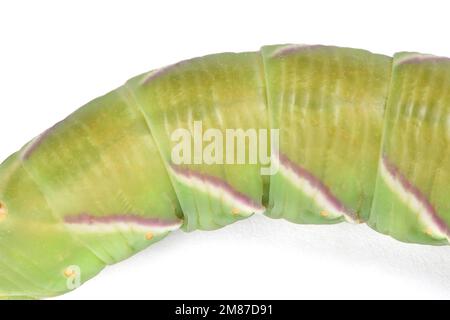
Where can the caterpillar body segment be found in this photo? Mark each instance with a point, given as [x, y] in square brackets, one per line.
[411, 199]
[329, 105]
[35, 247]
[221, 91]
[90, 191]
[360, 137]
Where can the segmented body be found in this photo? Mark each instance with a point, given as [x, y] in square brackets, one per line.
[362, 138]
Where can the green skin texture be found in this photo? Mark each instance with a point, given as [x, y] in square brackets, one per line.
[340, 112]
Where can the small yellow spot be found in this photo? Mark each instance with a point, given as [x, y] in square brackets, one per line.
[149, 236]
[235, 211]
[3, 211]
[428, 232]
[324, 213]
[69, 272]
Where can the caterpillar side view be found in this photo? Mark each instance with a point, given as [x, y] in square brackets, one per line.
[363, 138]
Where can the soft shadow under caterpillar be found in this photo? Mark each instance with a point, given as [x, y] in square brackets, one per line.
[362, 138]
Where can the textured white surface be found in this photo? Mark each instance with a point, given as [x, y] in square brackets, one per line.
[56, 56]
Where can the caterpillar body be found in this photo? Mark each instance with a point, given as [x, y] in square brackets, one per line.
[358, 133]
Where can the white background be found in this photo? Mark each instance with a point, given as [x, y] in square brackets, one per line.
[56, 56]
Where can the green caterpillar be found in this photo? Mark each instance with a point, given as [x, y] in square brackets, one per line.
[361, 137]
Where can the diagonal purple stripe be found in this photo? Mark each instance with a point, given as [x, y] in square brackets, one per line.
[38, 141]
[89, 219]
[292, 49]
[409, 187]
[163, 71]
[414, 59]
[220, 184]
[316, 183]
